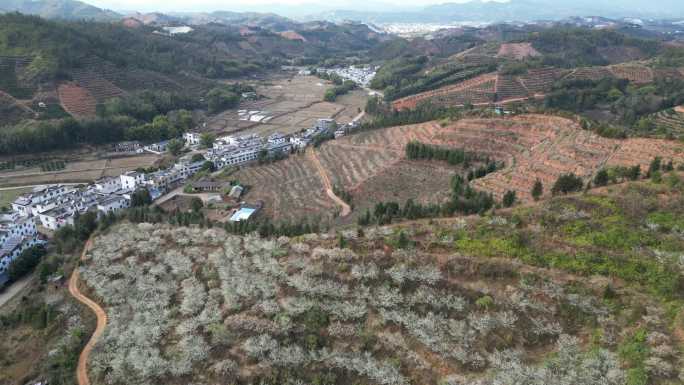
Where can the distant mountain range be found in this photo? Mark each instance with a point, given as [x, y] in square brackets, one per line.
[371, 11]
[516, 10]
[58, 9]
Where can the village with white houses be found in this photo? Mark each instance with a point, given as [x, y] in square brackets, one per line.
[35, 215]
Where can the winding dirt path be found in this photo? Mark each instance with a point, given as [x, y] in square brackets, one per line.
[81, 370]
[346, 209]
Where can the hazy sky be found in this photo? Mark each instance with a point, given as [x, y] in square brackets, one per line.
[241, 5]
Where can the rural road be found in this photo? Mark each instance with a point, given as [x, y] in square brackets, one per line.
[81, 370]
[346, 209]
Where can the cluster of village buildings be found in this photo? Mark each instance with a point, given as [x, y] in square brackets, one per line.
[56, 206]
[361, 75]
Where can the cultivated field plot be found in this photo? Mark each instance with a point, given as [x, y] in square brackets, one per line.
[76, 100]
[88, 168]
[291, 189]
[293, 103]
[589, 73]
[540, 80]
[482, 88]
[518, 51]
[369, 165]
[351, 103]
[423, 182]
[8, 196]
[635, 73]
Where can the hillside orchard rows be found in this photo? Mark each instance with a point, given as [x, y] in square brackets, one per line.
[202, 306]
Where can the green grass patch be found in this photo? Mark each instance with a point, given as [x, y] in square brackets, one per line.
[667, 221]
[8, 196]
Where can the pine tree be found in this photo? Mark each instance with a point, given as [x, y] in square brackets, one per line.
[509, 198]
[601, 178]
[537, 190]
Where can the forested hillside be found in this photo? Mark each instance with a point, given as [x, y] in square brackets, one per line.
[77, 68]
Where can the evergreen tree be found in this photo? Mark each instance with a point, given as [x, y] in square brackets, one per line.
[509, 198]
[656, 165]
[567, 183]
[601, 179]
[537, 190]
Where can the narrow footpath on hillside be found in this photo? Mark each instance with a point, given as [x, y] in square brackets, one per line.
[327, 185]
[81, 370]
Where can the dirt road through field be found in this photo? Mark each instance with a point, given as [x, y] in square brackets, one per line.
[81, 370]
[346, 209]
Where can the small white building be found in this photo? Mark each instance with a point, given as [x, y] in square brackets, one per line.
[113, 204]
[300, 141]
[326, 124]
[192, 138]
[57, 218]
[131, 180]
[236, 192]
[108, 185]
[157, 148]
[277, 138]
[188, 169]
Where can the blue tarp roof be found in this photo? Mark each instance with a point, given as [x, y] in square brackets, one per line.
[242, 215]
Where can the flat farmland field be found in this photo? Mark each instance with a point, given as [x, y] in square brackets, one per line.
[86, 168]
[8, 196]
[351, 103]
[294, 103]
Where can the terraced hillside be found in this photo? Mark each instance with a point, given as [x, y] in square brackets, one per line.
[292, 189]
[501, 88]
[544, 147]
[669, 123]
[371, 166]
[486, 89]
[477, 90]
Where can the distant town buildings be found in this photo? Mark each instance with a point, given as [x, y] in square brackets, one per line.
[359, 75]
